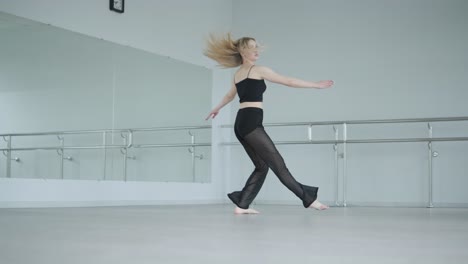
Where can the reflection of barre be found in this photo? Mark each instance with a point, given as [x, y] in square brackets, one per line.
[192, 149]
[196, 156]
[124, 152]
[60, 153]
[15, 158]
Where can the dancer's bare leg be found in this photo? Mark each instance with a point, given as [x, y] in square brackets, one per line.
[245, 211]
[318, 205]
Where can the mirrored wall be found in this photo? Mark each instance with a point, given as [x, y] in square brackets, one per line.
[135, 115]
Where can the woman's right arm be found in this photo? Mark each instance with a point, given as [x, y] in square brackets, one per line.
[226, 100]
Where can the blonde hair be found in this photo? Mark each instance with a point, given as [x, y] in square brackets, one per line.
[225, 50]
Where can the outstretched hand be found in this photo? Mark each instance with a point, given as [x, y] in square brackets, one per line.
[212, 114]
[324, 84]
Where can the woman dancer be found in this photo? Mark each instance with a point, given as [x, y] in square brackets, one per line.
[249, 84]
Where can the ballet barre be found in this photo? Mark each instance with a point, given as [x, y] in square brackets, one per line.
[127, 136]
[344, 141]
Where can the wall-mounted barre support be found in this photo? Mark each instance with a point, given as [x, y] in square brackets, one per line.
[130, 138]
[192, 151]
[128, 143]
[345, 164]
[431, 155]
[8, 165]
[124, 151]
[17, 159]
[60, 153]
[104, 153]
[335, 148]
[309, 132]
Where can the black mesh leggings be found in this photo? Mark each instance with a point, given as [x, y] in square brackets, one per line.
[263, 153]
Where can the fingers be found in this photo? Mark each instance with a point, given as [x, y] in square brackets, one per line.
[328, 83]
[213, 115]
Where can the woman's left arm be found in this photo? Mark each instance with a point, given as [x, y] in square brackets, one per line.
[269, 75]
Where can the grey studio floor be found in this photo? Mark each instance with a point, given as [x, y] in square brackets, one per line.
[213, 234]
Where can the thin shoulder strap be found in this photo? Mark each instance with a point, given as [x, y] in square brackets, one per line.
[249, 71]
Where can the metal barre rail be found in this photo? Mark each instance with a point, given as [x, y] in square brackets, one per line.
[110, 147]
[64, 147]
[362, 122]
[356, 141]
[105, 130]
[172, 145]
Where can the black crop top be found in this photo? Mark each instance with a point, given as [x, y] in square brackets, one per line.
[250, 90]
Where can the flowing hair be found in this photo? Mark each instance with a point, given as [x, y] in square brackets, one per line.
[225, 50]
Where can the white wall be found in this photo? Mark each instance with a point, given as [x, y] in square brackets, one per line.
[161, 27]
[389, 59]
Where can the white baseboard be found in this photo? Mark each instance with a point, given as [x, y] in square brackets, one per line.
[48, 204]
[451, 205]
[367, 204]
[402, 204]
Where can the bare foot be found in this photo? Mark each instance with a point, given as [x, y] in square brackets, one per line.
[318, 205]
[245, 211]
